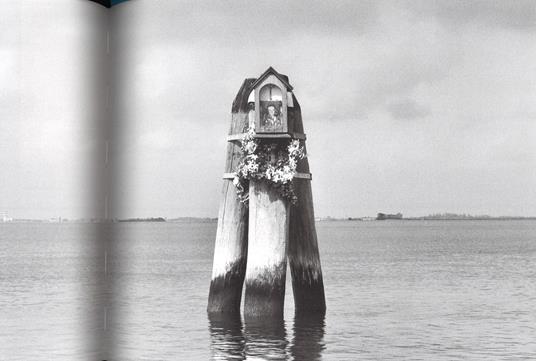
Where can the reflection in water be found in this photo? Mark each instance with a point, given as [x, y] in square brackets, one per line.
[227, 337]
[308, 342]
[266, 339]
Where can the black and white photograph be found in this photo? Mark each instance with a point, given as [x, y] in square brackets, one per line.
[267, 180]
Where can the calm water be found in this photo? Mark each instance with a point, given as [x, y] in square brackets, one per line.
[414, 290]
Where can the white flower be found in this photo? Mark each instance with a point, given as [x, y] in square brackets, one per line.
[250, 147]
[252, 167]
[292, 163]
[278, 167]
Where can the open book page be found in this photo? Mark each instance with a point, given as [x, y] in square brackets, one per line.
[418, 118]
[181, 66]
[169, 153]
[410, 109]
[52, 76]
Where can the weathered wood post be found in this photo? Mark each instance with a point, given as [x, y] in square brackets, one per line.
[230, 251]
[280, 220]
[267, 249]
[304, 257]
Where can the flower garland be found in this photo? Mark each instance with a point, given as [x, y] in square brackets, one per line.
[270, 162]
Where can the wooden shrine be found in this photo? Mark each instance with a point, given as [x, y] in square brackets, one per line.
[253, 243]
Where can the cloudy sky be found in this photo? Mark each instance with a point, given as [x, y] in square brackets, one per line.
[415, 107]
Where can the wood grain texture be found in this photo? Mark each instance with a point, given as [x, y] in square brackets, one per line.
[238, 137]
[230, 249]
[303, 254]
[267, 251]
[254, 244]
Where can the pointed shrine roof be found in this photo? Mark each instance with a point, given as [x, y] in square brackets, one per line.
[272, 71]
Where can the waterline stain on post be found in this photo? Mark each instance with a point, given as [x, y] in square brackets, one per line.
[230, 251]
[254, 244]
[267, 250]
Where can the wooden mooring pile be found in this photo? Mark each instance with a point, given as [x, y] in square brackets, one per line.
[255, 240]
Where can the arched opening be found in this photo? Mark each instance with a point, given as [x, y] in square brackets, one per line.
[271, 109]
[270, 92]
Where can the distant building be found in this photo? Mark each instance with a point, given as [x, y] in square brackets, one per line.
[383, 216]
[5, 217]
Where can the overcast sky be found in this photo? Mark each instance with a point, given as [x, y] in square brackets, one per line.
[414, 107]
[46, 115]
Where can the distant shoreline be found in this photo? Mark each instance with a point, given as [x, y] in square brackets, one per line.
[214, 220]
[126, 220]
[365, 219]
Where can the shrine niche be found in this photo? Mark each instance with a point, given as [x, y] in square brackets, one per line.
[271, 92]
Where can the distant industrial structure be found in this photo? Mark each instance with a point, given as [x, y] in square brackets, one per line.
[384, 216]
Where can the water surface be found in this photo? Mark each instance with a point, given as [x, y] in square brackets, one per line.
[414, 290]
